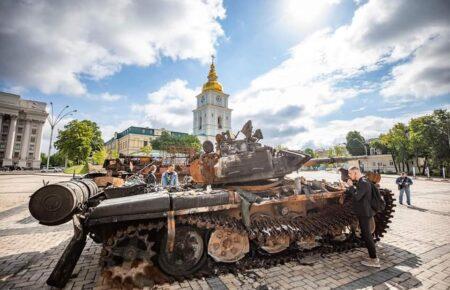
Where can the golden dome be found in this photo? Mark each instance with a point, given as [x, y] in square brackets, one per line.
[212, 84]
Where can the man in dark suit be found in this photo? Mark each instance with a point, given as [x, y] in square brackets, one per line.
[360, 189]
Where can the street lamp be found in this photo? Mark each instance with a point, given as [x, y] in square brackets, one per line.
[53, 122]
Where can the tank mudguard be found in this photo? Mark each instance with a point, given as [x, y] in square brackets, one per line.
[132, 205]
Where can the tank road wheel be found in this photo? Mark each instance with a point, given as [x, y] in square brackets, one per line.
[276, 244]
[127, 258]
[188, 255]
[228, 246]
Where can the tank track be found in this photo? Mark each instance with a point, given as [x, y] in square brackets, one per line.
[321, 224]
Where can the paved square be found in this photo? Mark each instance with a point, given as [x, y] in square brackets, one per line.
[415, 253]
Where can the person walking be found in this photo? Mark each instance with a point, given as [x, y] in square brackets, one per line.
[361, 195]
[404, 183]
[170, 177]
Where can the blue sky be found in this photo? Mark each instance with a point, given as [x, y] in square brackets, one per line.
[305, 71]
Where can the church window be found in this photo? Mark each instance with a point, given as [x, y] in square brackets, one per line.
[200, 123]
[219, 122]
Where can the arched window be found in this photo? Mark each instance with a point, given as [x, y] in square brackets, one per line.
[219, 122]
[200, 123]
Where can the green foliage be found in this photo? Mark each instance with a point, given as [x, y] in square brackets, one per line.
[78, 169]
[79, 139]
[310, 152]
[99, 156]
[426, 136]
[340, 151]
[167, 141]
[113, 154]
[147, 149]
[355, 143]
[378, 145]
[43, 159]
[56, 160]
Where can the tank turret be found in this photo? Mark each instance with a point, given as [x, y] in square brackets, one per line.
[246, 160]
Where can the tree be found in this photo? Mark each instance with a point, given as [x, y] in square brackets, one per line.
[378, 145]
[56, 159]
[43, 158]
[114, 154]
[419, 137]
[167, 141]
[397, 143]
[310, 152]
[147, 149]
[340, 151]
[433, 138]
[79, 139]
[97, 141]
[99, 156]
[356, 143]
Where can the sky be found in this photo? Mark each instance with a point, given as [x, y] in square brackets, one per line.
[305, 71]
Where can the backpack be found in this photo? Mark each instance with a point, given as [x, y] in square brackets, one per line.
[377, 203]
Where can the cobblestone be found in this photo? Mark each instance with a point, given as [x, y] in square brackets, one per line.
[415, 253]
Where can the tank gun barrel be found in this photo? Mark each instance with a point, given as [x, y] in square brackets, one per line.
[55, 204]
[328, 160]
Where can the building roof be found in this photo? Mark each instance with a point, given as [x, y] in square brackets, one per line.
[141, 131]
[212, 84]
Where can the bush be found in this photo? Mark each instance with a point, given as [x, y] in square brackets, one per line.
[79, 169]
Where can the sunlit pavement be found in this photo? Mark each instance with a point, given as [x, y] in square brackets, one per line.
[414, 254]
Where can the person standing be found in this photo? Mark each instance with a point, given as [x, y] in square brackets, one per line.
[404, 183]
[170, 177]
[361, 195]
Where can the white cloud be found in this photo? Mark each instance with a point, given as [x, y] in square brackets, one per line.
[106, 97]
[170, 107]
[329, 68]
[305, 15]
[426, 75]
[52, 45]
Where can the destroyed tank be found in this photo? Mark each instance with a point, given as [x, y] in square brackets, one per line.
[239, 211]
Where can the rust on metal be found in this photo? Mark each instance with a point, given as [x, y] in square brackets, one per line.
[170, 230]
[228, 246]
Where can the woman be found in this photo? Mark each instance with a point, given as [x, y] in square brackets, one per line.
[151, 177]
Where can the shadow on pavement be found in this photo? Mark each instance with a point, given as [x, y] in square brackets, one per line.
[30, 270]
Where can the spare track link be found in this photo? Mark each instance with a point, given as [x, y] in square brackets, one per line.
[321, 223]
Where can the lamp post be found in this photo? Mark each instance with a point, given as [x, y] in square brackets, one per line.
[53, 122]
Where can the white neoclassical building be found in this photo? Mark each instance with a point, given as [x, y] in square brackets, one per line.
[21, 123]
[212, 115]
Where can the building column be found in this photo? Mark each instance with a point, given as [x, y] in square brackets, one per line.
[7, 161]
[1, 124]
[25, 144]
[37, 146]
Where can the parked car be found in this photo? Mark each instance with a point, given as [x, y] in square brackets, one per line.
[51, 169]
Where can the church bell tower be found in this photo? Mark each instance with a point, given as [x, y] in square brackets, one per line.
[212, 115]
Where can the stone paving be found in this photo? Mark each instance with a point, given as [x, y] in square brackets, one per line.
[414, 254]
